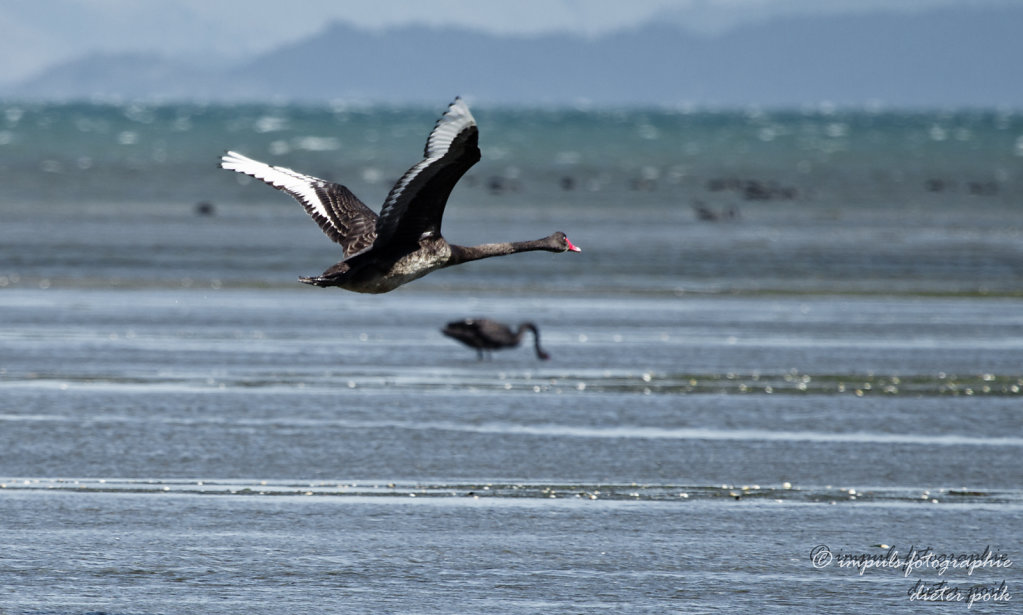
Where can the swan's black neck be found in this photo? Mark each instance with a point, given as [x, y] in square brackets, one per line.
[528, 326]
[463, 254]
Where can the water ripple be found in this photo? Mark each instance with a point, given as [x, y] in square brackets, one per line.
[513, 491]
[541, 381]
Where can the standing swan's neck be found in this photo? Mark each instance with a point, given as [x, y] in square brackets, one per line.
[528, 326]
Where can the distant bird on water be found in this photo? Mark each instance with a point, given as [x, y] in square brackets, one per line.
[403, 243]
[486, 335]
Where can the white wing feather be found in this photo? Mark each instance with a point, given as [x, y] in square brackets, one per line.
[301, 186]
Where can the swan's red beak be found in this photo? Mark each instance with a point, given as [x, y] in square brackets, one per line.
[572, 247]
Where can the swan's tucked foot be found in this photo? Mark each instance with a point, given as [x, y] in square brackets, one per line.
[319, 280]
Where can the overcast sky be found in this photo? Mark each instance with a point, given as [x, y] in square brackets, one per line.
[39, 33]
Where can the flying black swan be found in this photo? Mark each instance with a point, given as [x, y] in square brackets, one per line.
[487, 335]
[403, 243]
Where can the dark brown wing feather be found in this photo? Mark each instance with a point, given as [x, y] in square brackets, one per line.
[352, 224]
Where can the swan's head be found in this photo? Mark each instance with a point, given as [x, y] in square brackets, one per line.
[561, 243]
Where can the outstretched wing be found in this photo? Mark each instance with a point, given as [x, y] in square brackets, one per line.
[415, 205]
[341, 215]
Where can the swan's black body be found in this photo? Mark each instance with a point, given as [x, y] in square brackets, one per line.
[486, 335]
[403, 243]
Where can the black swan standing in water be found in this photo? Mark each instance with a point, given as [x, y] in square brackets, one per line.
[486, 335]
[403, 243]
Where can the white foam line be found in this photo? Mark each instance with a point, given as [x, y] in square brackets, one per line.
[657, 433]
[570, 431]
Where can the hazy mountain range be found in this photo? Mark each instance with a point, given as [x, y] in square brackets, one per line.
[942, 58]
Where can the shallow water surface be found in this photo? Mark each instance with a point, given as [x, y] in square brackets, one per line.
[178, 450]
